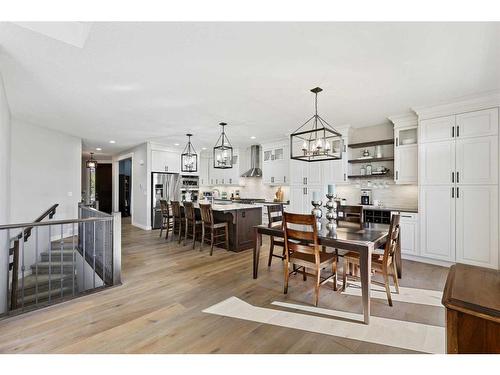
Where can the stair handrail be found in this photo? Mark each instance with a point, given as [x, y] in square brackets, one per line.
[14, 251]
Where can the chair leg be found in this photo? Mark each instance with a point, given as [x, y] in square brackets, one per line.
[226, 230]
[344, 275]
[387, 287]
[287, 275]
[180, 231]
[168, 228]
[316, 288]
[202, 236]
[334, 271]
[271, 248]
[194, 235]
[304, 276]
[161, 227]
[395, 276]
[211, 241]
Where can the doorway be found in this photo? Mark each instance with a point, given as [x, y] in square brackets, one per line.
[103, 187]
[124, 186]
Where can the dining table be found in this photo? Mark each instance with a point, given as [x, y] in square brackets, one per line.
[360, 239]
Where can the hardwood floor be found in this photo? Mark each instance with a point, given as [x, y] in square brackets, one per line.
[166, 287]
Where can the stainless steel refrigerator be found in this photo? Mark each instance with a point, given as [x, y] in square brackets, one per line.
[164, 186]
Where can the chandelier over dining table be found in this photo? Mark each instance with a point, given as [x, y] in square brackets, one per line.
[316, 139]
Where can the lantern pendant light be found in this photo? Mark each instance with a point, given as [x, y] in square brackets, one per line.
[91, 163]
[316, 139]
[223, 151]
[189, 158]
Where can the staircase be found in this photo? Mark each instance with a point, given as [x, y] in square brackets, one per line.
[53, 275]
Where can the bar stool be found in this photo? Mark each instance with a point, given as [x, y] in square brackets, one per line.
[166, 216]
[179, 221]
[193, 226]
[215, 230]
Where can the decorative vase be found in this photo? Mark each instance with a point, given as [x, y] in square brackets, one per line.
[331, 214]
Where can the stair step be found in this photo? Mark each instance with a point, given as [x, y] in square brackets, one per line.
[67, 255]
[31, 281]
[54, 266]
[44, 296]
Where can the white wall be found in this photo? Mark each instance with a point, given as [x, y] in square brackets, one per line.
[5, 129]
[141, 184]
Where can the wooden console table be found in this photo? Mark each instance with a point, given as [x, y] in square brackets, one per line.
[472, 300]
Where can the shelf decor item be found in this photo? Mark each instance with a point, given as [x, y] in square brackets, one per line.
[91, 163]
[189, 158]
[316, 139]
[331, 213]
[316, 211]
[223, 151]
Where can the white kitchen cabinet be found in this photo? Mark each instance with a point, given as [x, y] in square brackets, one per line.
[437, 222]
[204, 166]
[437, 129]
[225, 177]
[477, 160]
[409, 233]
[297, 199]
[437, 162]
[477, 225]
[165, 161]
[406, 164]
[477, 124]
[275, 164]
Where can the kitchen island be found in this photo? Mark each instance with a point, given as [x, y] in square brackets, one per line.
[241, 218]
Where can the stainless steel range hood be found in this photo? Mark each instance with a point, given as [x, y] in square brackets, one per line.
[254, 170]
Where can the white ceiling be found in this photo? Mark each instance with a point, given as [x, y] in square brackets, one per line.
[133, 82]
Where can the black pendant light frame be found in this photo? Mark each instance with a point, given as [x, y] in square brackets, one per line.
[223, 151]
[189, 157]
[316, 139]
[91, 163]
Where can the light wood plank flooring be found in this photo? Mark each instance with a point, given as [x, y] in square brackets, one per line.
[166, 287]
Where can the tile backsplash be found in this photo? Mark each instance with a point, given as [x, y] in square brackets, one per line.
[252, 187]
[401, 196]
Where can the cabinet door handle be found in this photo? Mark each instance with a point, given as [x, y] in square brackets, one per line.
[452, 176]
[344, 177]
[407, 216]
[452, 132]
[397, 142]
[458, 192]
[453, 192]
[458, 177]
[284, 178]
[306, 180]
[397, 175]
[272, 179]
[458, 131]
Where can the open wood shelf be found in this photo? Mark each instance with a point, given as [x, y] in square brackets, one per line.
[372, 143]
[388, 174]
[371, 160]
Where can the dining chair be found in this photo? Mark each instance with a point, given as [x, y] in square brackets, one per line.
[193, 225]
[211, 231]
[384, 263]
[179, 221]
[275, 219]
[302, 250]
[166, 218]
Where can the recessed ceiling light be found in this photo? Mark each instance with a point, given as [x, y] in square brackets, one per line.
[112, 141]
[203, 148]
[98, 149]
[176, 144]
[253, 137]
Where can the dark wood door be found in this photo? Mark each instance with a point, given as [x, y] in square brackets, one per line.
[103, 187]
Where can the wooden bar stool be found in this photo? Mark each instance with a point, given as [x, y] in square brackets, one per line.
[193, 226]
[275, 218]
[386, 263]
[212, 230]
[302, 249]
[166, 218]
[179, 221]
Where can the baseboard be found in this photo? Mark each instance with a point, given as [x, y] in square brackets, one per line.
[420, 259]
[143, 227]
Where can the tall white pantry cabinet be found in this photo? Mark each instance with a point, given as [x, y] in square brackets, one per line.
[458, 185]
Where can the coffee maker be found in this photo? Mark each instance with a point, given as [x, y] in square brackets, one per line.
[366, 196]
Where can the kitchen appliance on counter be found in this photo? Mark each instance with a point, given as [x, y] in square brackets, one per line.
[366, 196]
[164, 186]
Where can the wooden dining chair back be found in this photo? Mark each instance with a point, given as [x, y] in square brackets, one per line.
[193, 225]
[303, 250]
[275, 219]
[179, 221]
[166, 218]
[212, 232]
[384, 263]
[350, 215]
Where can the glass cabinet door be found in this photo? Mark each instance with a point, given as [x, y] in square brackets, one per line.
[406, 137]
